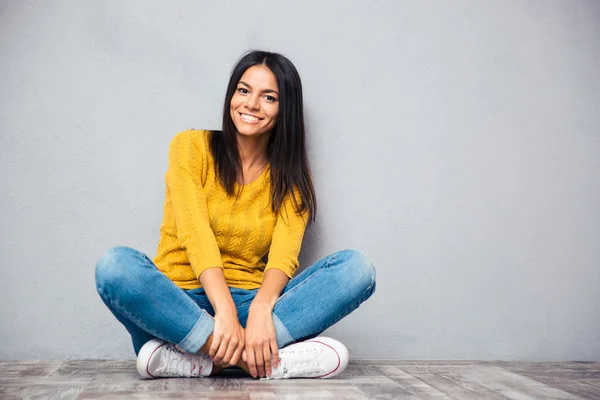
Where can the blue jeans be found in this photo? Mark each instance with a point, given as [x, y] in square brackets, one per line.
[150, 305]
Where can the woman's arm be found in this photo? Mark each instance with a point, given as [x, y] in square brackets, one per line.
[274, 282]
[261, 343]
[227, 340]
[187, 164]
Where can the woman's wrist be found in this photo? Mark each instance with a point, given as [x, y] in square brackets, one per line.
[225, 306]
[274, 282]
[217, 291]
[264, 305]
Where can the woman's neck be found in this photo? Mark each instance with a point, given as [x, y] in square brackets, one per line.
[253, 151]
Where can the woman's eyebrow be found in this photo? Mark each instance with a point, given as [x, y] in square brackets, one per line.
[264, 91]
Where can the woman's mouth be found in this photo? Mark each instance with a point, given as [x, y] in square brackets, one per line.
[249, 119]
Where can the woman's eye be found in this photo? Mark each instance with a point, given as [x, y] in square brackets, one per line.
[270, 98]
[243, 90]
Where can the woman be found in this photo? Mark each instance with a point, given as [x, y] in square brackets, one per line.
[221, 290]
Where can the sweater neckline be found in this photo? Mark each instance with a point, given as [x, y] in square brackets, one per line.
[259, 179]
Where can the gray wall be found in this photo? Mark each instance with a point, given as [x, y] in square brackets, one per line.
[456, 142]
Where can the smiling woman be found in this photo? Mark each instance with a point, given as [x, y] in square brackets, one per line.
[234, 198]
[255, 105]
[254, 108]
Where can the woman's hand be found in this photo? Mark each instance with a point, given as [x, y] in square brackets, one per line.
[226, 343]
[227, 339]
[261, 343]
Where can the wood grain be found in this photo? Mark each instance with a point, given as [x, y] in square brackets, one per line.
[363, 379]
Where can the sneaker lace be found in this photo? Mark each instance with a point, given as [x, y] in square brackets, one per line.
[301, 363]
[182, 364]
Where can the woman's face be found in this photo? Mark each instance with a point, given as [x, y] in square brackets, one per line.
[255, 103]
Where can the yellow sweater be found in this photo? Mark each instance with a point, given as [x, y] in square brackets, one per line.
[204, 227]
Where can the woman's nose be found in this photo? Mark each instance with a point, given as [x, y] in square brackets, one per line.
[252, 103]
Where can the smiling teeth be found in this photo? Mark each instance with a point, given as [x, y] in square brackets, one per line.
[249, 118]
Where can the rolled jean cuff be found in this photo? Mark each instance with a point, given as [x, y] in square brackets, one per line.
[199, 334]
[282, 335]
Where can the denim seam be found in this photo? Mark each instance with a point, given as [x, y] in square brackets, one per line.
[148, 261]
[352, 307]
[367, 294]
[369, 290]
[117, 306]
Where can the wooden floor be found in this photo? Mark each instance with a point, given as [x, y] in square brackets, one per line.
[92, 379]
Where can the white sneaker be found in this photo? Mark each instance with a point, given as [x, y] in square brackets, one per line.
[321, 357]
[161, 359]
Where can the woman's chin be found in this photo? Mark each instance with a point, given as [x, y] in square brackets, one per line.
[250, 132]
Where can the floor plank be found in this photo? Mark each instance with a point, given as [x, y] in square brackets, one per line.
[363, 379]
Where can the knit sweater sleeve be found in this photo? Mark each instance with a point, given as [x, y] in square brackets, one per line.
[187, 161]
[287, 239]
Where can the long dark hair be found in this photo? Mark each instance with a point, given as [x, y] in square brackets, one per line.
[286, 149]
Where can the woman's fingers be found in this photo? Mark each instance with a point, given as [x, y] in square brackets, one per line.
[227, 342]
[237, 352]
[214, 346]
[231, 348]
[274, 352]
[221, 351]
[235, 357]
[260, 362]
[267, 357]
[251, 362]
[234, 348]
